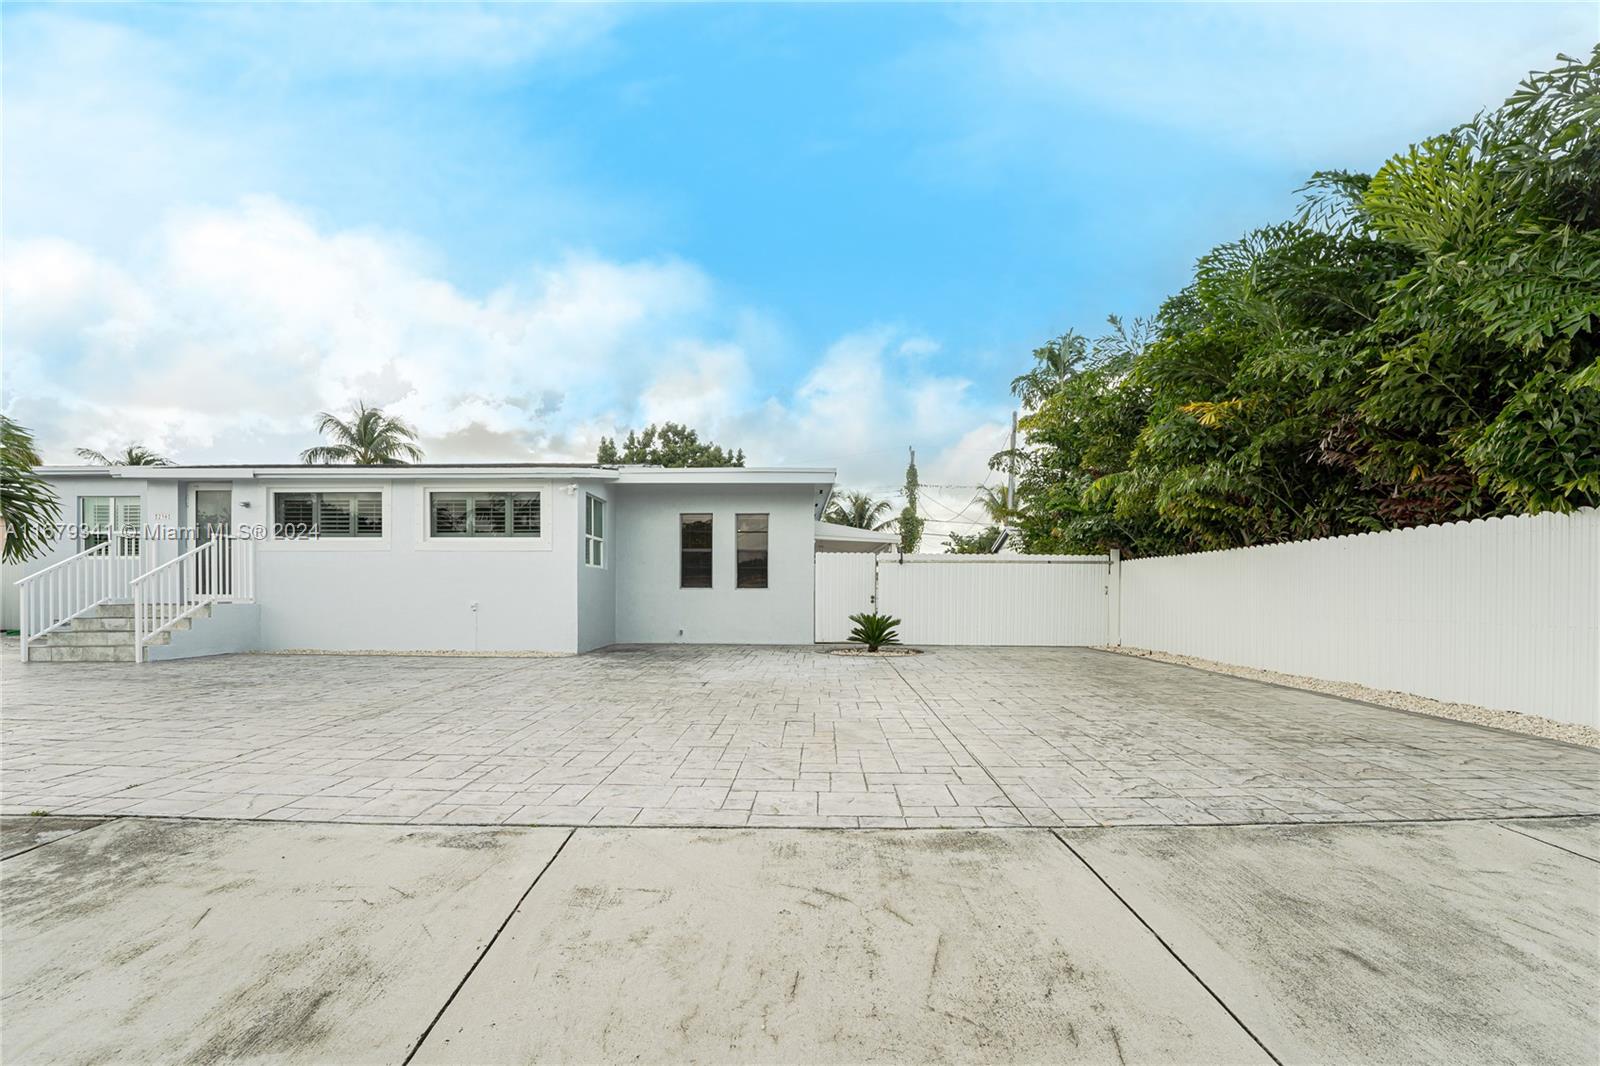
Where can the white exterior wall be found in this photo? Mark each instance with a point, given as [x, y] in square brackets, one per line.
[597, 586]
[1501, 613]
[401, 594]
[652, 609]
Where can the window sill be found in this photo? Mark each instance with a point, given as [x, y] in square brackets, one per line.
[484, 544]
[328, 544]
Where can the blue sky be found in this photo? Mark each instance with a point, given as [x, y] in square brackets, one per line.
[821, 233]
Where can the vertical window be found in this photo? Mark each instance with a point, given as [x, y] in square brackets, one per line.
[594, 530]
[750, 535]
[101, 516]
[694, 551]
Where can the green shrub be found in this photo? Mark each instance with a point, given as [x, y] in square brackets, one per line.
[874, 630]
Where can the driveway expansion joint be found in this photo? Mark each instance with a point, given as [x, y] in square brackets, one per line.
[1168, 947]
[454, 992]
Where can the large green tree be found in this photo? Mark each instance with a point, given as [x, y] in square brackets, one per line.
[669, 444]
[368, 437]
[1417, 346]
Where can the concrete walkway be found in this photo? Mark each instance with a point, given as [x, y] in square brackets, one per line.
[758, 737]
[137, 940]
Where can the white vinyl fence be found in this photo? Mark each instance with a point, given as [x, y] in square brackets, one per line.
[967, 599]
[1500, 613]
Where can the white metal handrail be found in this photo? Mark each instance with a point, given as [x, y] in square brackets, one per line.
[220, 570]
[54, 596]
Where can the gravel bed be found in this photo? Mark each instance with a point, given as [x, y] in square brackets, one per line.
[1532, 725]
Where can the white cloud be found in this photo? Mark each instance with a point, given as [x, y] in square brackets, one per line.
[223, 338]
[1387, 73]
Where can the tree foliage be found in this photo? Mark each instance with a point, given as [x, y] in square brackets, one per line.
[367, 438]
[669, 444]
[1417, 346]
[29, 511]
[910, 521]
[860, 510]
[132, 455]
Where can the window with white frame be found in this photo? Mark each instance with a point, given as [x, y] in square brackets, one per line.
[485, 514]
[327, 515]
[594, 530]
[750, 547]
[101, 516]
[694, 551]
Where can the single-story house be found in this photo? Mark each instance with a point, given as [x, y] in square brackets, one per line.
[501, 557]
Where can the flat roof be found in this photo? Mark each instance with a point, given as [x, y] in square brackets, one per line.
[622, 474]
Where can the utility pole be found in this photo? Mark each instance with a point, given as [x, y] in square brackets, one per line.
[1011, 490]
[1011, 478]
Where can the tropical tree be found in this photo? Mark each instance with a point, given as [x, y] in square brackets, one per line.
[132, 455]
[910, 522]
[669, 444]
[1417, 346]
[859, 509]
[979, 543]
[29, 511]
[367, 438]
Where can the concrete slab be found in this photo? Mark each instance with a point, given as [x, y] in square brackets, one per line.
[783, 945]
[161, 941]
[1578, 835]
[26, 832]
[1453, 942]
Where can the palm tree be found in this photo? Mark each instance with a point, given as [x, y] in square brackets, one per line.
[860, 510]
[1054, 363]
[132, 455]
[369, 438]
[993, 501]
[30, 514]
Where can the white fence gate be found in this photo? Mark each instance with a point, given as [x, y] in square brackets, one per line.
[846, 584]
[1054, 600]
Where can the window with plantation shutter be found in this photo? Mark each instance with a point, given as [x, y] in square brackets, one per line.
[484, 514]
[101, 516]
[525, 508]
[327, 515]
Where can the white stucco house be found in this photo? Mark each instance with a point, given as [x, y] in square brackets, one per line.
[187, 560]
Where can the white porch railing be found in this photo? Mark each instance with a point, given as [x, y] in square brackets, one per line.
[221, 570]
[54, 596]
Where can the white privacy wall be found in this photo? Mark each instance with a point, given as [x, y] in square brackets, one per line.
[995, 599]
[1502, 612]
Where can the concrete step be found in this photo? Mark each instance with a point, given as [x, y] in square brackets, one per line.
[90, 638]
[114, 610]
[50, 654]
[110, 624]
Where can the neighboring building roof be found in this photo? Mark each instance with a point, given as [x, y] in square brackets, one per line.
[851, 535]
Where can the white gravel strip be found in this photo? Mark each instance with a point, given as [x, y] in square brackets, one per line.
[1531, 724]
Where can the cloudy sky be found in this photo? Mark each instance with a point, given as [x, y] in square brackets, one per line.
[821, 234]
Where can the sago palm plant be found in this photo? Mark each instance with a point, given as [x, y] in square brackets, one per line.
[874, 630]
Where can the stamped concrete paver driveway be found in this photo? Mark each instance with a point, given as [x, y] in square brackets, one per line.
[749, 737]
